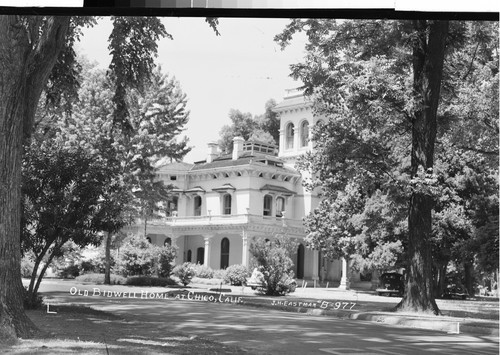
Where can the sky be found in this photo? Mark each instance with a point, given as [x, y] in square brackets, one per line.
[240, 69]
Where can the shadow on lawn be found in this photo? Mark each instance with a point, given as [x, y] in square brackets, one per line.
[83, 330]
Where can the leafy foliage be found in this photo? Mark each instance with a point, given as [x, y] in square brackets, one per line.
[374, 160]
[157, 116]
[166, 258]
[32, 47]
[236, 275]
[62, 185]
[263, 128]
[184, 272]
[139, 257]
[274, 262]
[202, 271]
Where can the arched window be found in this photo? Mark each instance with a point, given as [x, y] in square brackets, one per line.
[268, 202]
[168, 241]
[226, 204]
[304, 134]
[224, 253]
[189, 256]
[197, 206]
[280, 206]
[289, 136]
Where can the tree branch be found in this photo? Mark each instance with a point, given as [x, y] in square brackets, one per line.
[40, 63]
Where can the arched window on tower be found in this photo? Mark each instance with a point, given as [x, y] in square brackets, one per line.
[304, 134]
[289, 136]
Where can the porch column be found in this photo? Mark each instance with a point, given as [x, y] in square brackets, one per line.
[207, 250]
[175, 246]
[315, 262]
[244, 252]
[344, 281]
[282, 140]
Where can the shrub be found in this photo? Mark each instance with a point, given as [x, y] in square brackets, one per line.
[137, 257]
[219, 274]
[98, 279]
[141, 258]
[69, 272]
[166, 256]
[149, 281]
[236, 275]
[184, 272]
[203, 272]
[87, 266]
[275, 264]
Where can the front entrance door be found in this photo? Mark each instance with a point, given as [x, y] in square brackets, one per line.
[200, 256]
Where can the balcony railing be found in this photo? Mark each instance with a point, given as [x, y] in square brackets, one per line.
[226, 220]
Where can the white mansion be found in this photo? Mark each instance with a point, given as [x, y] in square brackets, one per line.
[221, 203]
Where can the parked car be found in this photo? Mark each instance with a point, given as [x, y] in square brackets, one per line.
[454, 291]
[391, 283]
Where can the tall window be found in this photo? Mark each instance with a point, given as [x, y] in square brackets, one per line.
[189, 256]
[268, 202]
[289, 136]
[172, 205]
[304, 134]
[224, 253]
[197, 206]
[226, 204]
[300, 262]
[280, 206]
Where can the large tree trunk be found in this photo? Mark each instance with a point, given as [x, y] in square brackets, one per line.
[26, 59]
[107, 260]
[428, 58]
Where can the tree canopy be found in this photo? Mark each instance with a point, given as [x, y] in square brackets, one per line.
[263, 128]
[37, 55]
[410, 142]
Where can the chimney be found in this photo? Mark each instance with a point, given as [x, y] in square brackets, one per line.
[213, 151]
[237, 147]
